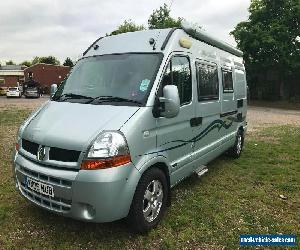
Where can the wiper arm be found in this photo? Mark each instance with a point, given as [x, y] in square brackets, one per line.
[108, 98]
[68, 96]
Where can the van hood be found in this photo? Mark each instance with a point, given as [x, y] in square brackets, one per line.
[73, 125]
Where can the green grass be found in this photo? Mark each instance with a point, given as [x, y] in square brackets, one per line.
[235, 197]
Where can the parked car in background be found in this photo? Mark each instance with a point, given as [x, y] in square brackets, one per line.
[14, 92]
[32, 92]
[3, 90]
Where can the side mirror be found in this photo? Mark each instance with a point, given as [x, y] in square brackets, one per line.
[171, 101]
[53, 90]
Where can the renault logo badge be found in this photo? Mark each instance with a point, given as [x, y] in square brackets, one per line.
[41, 153]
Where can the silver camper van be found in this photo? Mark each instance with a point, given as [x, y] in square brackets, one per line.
[138, 113]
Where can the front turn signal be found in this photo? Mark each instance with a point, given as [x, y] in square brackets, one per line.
[95, 164]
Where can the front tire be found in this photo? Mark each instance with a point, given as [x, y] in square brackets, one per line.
[236, 150]
[149, 202]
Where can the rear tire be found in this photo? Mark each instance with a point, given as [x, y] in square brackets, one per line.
[237, 148]
[149, 202]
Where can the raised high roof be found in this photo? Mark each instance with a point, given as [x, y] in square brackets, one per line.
[140, 41]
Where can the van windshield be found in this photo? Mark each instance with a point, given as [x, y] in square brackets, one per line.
[116, 78]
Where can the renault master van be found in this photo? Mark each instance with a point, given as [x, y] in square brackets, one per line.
[138, 113]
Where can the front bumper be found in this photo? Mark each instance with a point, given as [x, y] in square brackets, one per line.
[90, 195]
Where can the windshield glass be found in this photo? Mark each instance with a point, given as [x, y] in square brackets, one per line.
[124, 76]
[13, 89]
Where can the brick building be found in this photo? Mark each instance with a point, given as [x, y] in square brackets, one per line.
[11, 75]
[46, 74]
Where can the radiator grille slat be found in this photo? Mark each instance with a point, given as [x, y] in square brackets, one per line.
[45, 178]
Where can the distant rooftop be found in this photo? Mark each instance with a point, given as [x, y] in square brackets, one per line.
[46, 64]
[12, 70]
[11, 67]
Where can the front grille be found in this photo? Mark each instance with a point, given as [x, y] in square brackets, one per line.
[59, 154]
[30, 147]
[56, 154]
[57, 204]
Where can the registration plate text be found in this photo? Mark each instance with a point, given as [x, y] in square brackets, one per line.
[40, 187]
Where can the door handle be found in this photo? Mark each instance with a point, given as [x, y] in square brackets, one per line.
[196, 121]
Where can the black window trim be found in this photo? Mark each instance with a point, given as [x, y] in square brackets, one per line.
[210, 97]
[168, 38]
[169, 60]
[225, 91]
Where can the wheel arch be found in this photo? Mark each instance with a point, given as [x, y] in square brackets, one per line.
[159, 162]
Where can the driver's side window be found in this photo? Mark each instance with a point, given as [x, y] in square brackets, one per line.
[178, 73]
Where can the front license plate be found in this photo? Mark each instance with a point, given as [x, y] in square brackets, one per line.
[40, 187]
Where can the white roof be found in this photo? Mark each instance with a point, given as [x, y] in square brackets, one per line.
[11, 72]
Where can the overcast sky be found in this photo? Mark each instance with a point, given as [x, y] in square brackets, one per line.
[67, 27]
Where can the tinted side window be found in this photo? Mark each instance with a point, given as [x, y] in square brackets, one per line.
[182, 78]
[208, 82]
[178, 73]
[227, 81]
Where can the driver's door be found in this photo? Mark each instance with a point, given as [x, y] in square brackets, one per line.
[174, 134]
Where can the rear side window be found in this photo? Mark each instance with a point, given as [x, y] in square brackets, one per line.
[240, 83]
[178, 73]
[227, 81]
[207, 81]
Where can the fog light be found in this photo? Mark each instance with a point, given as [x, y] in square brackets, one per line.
[88, 211]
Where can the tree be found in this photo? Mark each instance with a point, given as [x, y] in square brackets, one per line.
[35, 60]
[26, 63]
[68, 62]
[127, 26]
[45, 59]
[160, 19]
[49, 60]
[10, 62]
[269, 40]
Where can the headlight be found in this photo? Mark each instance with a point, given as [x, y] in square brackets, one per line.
[109, 150]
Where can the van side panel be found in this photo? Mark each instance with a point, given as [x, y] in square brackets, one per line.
[216, 120]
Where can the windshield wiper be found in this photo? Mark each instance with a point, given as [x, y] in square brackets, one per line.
[109, 98]
[69, 96]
